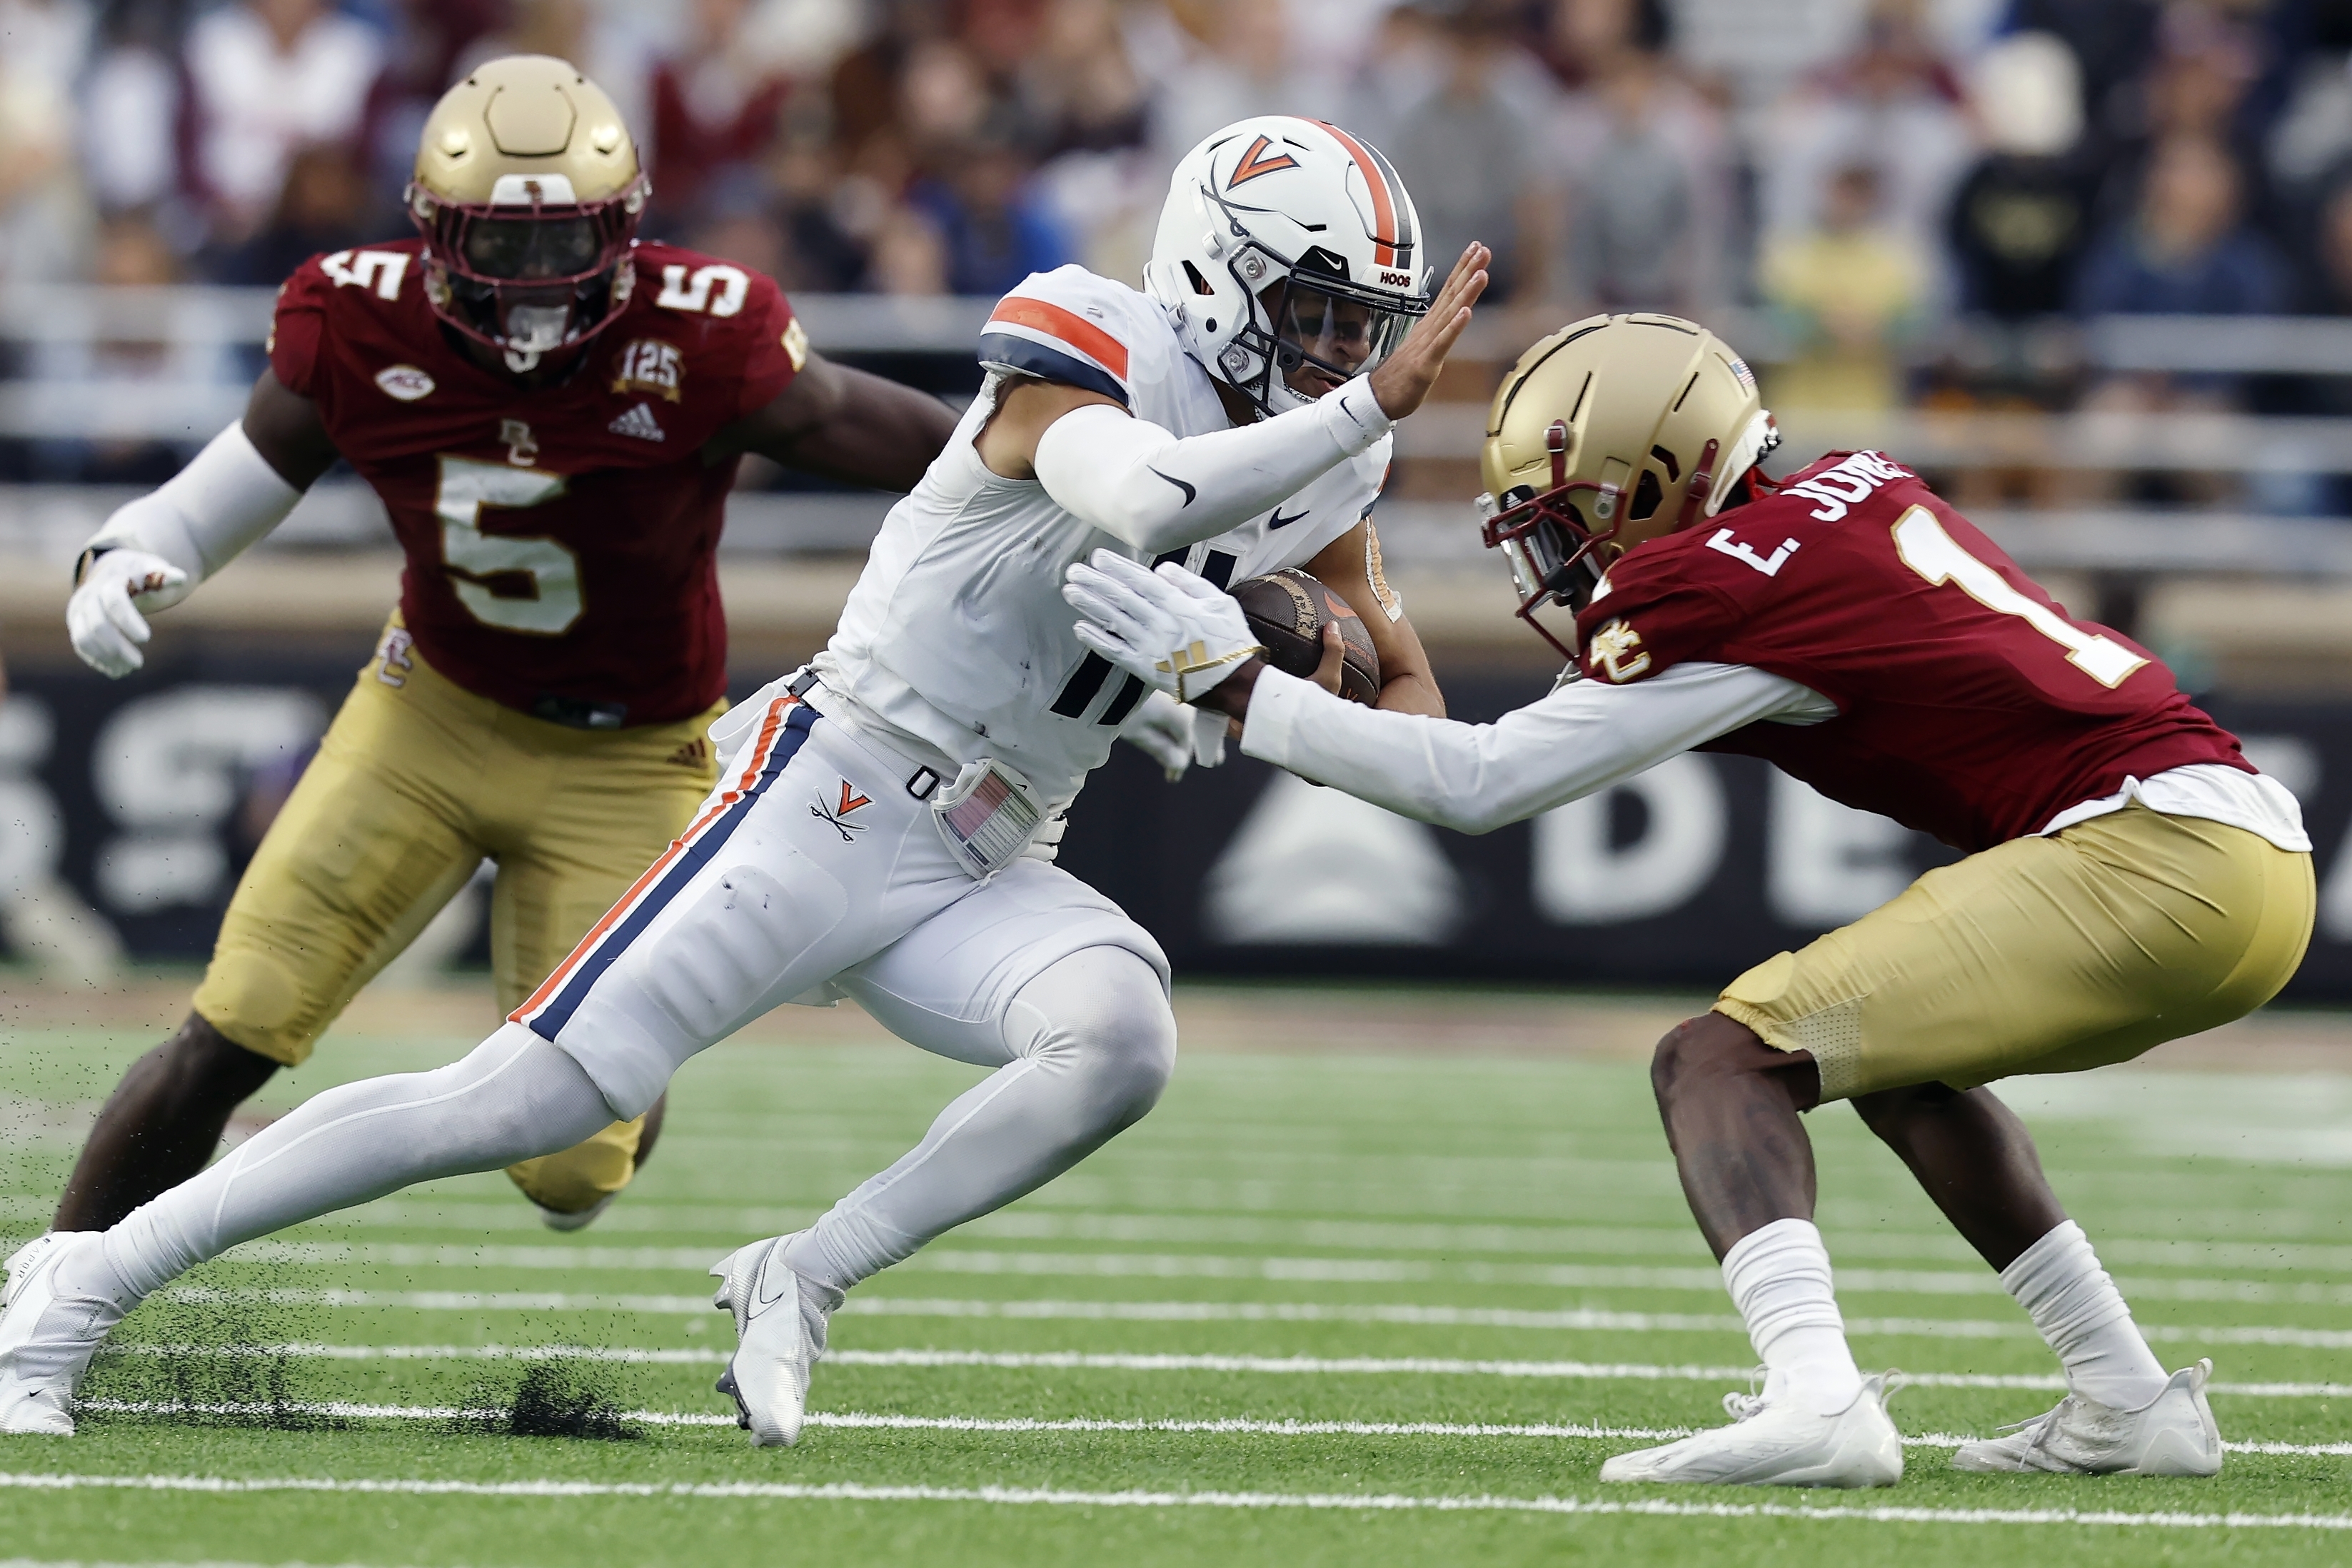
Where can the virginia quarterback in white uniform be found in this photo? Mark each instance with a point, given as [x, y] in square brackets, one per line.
[885, 822]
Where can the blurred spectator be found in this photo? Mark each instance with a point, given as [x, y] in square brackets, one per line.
[2112, 41]
[43, 223]
[129, 110]
[1465, 154]
[1079, 87]
[269, 76]
[1846, 289]
[1237, 63]
[2185, 250]
[429, 38]
[821, 250]
[327, 205]
[2327, 290]
[1892, 103]
[1640, 161]
[1579, 40]
[132, 254]
[991, 225]
[2023, 217]
[909, 255]
[715, 108]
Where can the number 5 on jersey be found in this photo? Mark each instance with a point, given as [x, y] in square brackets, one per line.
[518, 584]
[1928, 549]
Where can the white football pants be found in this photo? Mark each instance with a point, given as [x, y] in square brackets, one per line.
[811, 868]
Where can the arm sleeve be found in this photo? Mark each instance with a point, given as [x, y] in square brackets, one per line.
[1141, 483]
[204, 516]
[1477, 777]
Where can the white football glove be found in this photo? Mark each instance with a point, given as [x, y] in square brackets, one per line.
[1177, 631]
[103, 617]
[1161, 728]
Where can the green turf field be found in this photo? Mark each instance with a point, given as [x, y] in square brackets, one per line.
[1316, 1309]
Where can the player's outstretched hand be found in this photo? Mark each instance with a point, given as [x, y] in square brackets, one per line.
[103, 617]
[1178, 632]
[1404, 378]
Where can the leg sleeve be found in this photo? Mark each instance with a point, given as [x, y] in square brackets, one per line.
[1082, 1037]
[366, 849]
[515, 1095]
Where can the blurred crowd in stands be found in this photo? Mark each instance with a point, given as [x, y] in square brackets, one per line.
[1863, 172]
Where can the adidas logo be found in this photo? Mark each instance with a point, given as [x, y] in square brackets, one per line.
[639, 422]
[694, 753]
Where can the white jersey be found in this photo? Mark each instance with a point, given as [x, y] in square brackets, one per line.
[956, 634]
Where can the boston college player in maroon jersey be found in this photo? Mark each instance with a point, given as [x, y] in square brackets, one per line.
[552, 415]
[2130, 877]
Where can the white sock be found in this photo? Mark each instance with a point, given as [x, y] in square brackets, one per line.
[1778, 1278]
[2081, 1315]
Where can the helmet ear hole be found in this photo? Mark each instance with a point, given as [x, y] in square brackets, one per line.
[1647, 496]
[1199, 284]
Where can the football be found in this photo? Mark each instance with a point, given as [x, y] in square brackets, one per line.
[1288, 610]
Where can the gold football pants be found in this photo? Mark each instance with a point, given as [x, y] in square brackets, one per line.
[2050, 954]
[415, 784]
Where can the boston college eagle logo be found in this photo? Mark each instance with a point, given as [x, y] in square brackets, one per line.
[1617, 653]
[1255, 162]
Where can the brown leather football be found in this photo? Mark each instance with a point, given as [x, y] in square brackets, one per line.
[1287, 611]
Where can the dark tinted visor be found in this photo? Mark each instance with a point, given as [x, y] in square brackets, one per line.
[532, 247]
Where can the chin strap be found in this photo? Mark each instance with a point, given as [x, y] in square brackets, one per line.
[1702, 485]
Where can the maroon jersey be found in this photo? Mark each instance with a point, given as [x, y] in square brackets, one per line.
[1969, 705]
[560, 540]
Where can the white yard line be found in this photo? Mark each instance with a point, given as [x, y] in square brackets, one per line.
[851, 1420]
[1215, 1266]
[1368, 1235]
[1088, 1361]
[1570, 1319]
[1368, 1502]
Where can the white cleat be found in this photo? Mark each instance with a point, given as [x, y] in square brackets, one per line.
[780, 1324]
[577, 1219]
[2171, 1435]
[1772, 1443]
[46, 1337]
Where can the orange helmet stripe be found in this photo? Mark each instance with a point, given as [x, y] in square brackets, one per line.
[1385, 235]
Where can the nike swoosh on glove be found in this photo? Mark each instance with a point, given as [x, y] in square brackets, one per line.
[1175, 630]
[103, 617]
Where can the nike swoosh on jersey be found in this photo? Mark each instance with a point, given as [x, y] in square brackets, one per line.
[1188, 491]
[1278, 521]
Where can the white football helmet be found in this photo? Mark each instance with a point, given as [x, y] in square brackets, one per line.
[1288, 244]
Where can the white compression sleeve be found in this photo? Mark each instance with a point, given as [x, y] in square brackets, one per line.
[1091, 1042]
[1584, 737]
[204, 516]
[1141, 483]
[514, 1097]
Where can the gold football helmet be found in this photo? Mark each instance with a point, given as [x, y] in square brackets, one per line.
[1612, 431]
[528, 192]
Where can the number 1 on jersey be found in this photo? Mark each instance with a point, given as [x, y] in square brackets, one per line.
[1928, 549]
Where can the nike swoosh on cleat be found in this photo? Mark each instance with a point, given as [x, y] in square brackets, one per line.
[1188, 491]
[1278, 521]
